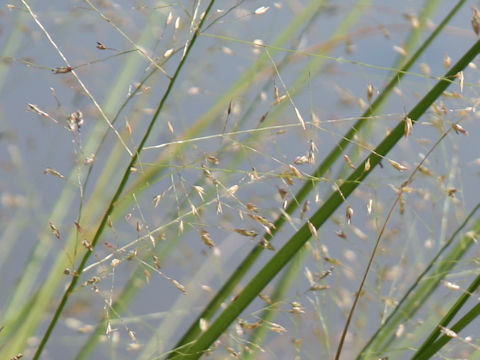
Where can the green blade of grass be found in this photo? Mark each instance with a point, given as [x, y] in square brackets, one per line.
[281, 258]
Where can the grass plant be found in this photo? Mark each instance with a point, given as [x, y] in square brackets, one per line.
[247, 182]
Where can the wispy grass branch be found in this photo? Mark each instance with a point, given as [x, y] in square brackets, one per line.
[283, 255]
[325, 165]
[120, 188]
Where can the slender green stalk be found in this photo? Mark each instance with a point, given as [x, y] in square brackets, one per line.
[282, 256]
[326, 164]
[123, 182]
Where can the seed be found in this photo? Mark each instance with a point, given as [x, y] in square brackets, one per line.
[170, 127]
[203, 324]
[244, 232]
[400, 50]
[397, 165]
[207, 240]
[53, 172]
[349, 214]
[408, 126]
[312, 229]
[447, 61]
[425, 69]
[169, 18]
[168, 53]
[261, 10]
[367, 165]
[370, 92]
[300, 118]
[348, 161]
[459, 129]
[460, 77]
[476, 21]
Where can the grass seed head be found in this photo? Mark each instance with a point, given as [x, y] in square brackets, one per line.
[413, 18]
[397, 165]
[200, 191]
[297, 308]
[261, 10]
[179, 286]
[232, 190]
[305, 209]
[213, 159]
[349, 214]
[447, 61]
[312, 229]
[476, 21]
[408, 126]
[265, 298]
[448, 332]
[295, 171]
[400, 50]
[244, 232]
[169, 18]
[309, 276]
[300, 160]
[300, 118]
[348, 161]
[168, 53]
[400, 330]
[460, 78]
[203, 324]
[87, 244]
[425, 69]
[367, 165]
[316, 287]
[53, 172]
[277, 328]
[206, 238]
[459, 129]
[170, 127]
[54, 229]
[115, 262]
[266, 244]
[451, 286]
[178, 23]
[370, 90]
